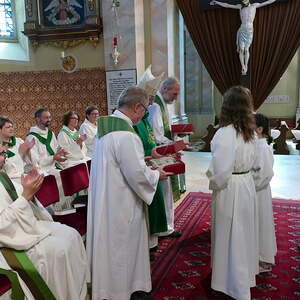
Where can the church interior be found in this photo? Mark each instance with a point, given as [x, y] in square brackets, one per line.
[67, 55]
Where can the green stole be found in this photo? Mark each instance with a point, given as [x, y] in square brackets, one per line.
[72, 135]
[10, 144]
[157, 214]
[165, 118]
[20, 262]
[167, 133]
[109, 124]
[44, 141]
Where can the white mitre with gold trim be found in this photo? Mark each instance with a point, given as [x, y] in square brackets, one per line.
[150, 83]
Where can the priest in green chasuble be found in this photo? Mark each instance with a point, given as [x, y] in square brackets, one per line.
[121, 188]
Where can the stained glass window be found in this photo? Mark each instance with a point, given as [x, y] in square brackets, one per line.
[7, 24]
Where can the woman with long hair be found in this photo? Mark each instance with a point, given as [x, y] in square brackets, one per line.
[234, 212]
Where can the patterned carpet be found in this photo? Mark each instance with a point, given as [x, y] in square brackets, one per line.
[181, 270]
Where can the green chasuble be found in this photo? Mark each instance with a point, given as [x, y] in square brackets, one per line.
[156, 211]
[167, 133]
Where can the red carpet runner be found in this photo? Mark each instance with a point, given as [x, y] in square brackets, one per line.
[181, 270]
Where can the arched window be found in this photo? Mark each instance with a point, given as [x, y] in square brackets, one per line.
[7, 20]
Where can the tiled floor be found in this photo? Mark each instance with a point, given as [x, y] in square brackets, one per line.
[285, 183]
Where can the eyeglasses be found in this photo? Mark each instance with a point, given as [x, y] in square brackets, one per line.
[74, 118]
[145, 108]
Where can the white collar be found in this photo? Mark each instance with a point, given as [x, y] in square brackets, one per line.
[67, 128]
[86, 121]
[38, 130]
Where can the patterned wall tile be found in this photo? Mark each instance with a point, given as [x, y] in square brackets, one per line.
[21, 93]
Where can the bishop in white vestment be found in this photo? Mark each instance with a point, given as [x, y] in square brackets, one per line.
[121, 185]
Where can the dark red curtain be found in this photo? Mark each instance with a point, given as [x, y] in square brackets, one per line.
[276, 40]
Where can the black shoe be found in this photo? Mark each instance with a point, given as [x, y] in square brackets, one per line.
[140, 295]
[174, 234]
[153, 248]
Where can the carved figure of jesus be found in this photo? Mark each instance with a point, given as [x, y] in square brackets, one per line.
[245, 33]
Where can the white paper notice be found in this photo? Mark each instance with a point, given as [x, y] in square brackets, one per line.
[116, 82]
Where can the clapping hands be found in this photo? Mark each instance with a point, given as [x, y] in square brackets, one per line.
[26, 146]
[60, 155]
[31, 183]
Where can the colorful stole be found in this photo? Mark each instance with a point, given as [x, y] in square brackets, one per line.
[10, 144]
[110, 124]
[19, 262]
[44, 141]
[165, 117]
[72, 135]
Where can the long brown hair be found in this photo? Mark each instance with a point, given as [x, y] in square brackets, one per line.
[237, 110]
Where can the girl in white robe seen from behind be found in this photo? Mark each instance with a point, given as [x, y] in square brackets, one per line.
[234, 213]
[262, 178]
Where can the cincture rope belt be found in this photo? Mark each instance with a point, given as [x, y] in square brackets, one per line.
[240, 173]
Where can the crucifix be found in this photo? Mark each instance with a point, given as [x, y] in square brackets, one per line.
[244, 35]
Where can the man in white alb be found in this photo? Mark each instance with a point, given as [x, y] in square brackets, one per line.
[245, 33]
[46, 154]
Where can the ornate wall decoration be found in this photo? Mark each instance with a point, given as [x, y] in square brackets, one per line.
[21, 93]
[62, 20]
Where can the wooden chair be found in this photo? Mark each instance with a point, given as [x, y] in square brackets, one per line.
[280, 144]
[211, 130]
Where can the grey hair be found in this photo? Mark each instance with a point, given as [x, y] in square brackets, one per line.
[169, 83]
[131, 96]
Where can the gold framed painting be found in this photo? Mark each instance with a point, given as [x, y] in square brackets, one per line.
[62, 23]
